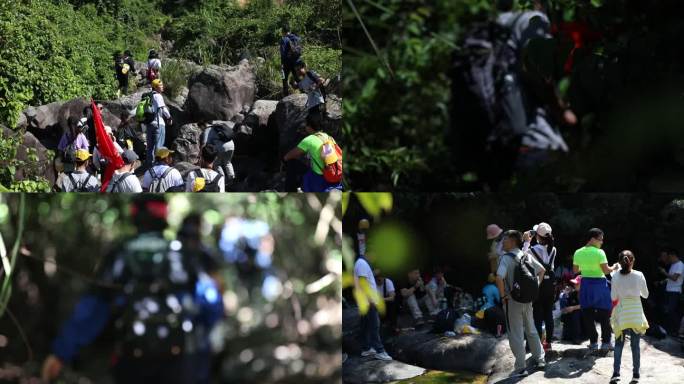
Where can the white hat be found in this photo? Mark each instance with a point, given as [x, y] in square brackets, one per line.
[542, 229]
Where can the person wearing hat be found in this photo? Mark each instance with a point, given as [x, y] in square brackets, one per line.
[495, 234]
[162, 177]
[99, 162]
[545, 253]
[124, 179]
[72, 140]
[79, 180]
[156, 130]
[570, 312]
[594, 295]
[205, 178]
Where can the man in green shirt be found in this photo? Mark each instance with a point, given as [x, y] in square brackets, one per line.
[594, 292]
[311, 147]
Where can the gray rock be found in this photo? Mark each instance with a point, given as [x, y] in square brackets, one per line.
[261, 111]
[363, 370]
[290, 115]
[75, 108]
[187, 144]
[218, 93]
[44, 116]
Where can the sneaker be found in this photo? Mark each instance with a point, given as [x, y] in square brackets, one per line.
[382, 356]
[520, 373]
[541, 365]
[615, 378]
[635, 379]
[593, 347]
[370, 352]
[606, 346]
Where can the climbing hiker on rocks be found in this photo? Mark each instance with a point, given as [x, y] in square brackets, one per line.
[89, 126]
[290, 55]
[162, 177]
[124, 179]
[154, 114]
[371, 344]
[325, 170]
[153, 66]
[518, 278]
[220, 136]
[72, 140]
[124, 65]
[205, 178]
[313, 85]
[79, 180]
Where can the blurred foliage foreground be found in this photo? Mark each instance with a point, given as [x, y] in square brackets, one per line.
[624, 82]
[282, 326]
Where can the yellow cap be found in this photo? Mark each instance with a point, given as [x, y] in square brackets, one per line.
[199, 184]
[162, 152]
[156, 83]
[82, 154]
[364, 224]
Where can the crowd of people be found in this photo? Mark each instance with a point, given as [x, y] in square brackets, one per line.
[530, 291]
[140, 139]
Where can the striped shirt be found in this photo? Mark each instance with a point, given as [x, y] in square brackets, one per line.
[628, 313]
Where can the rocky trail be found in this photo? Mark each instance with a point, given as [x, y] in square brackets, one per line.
[264, 129]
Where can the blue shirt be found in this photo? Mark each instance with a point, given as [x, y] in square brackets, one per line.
[492, 297]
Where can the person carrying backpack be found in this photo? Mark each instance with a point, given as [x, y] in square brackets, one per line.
[517, 279]
[154, 114]
[124, 179]
[290, 55]
[220, 136]
[205, 179]
[78, 180]
[314, 87]
[161, 320]
[153, 66]
[162, 177]
[72, 140]
[545, 253]
[325, 171]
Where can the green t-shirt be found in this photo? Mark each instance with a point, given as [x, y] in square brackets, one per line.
[312, 146]
[589, 260]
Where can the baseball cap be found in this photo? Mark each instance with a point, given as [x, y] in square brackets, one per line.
[542, 229]
[156, 83]
[493, 231]
[82, 154]
[162, 152]
[129, 156]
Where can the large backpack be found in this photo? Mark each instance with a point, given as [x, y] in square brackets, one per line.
[525, 287]
[212, 186]
[69, 154]
[120, 180]
[82, 187]
[144, 112]
[445, 320]
[547, 288]
[331, 156]
[294, 51]
[156, 186]
[156, 320]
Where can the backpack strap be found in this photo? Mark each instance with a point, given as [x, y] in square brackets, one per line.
[74, 184]
[119, 181]
[85, 182]
[384, 287]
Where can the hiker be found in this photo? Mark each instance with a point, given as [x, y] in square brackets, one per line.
[673, 290]
[72, 140]
[313, 145]
[89, 125]
[153, 66]
[205, 179]
[495, 234]
[79, 180]
[416, 295]
[386, 290]
[314, 87]
[128, 137]
[124, 65]
[124, 179]
[156, 128]
[438, 285]
[492, 314]
[160, 333]
[290, 55]
[518, 278]
[162, 177]
[570, 312]
[594, 295]
[220, 136]
[545, 253]
[371, 344]
[362, 236]
[99, 162]
[628, 318]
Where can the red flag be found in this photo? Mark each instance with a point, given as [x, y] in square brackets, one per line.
[106, 147]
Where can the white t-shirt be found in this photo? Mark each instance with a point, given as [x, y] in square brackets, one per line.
[161, 111]
[131, 184]
[363, 269]
[209, 176]
[675, 286]
[309, 86]
[390, 287]
[172, 179]
[80, 177]
[632, 284]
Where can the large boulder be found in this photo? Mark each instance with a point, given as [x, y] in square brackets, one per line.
[290, 115]
[260, 113]
[75, 108]
[44, 116]
[219, 93]
[359, 370]
[187, 144]
[39, 166]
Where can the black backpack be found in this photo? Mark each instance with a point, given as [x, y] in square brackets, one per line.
[83, 187]
[445, 320]
[224, 131]
[525, 287]
[212, 186]
[69, 154]
[547, 288]
[294, 51]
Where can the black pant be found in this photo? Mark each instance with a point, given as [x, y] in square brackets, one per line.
[123, 84]
[602, 316]
[294, 171]
[543, 313]
[172, 370]
[288, 69]
[390, 317]
[671, 310]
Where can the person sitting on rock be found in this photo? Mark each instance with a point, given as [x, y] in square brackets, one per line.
[387, 291]
[492, 313]
[99, 162]
[416, 294]
[313, 180]
[314, 87]
[78, 180]
[161, 177]
[124, 179]
[570, 312]
[156, 130]
[220, 136]
[438, 285]
[205, 179]
[72, 140]
[290, 55]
